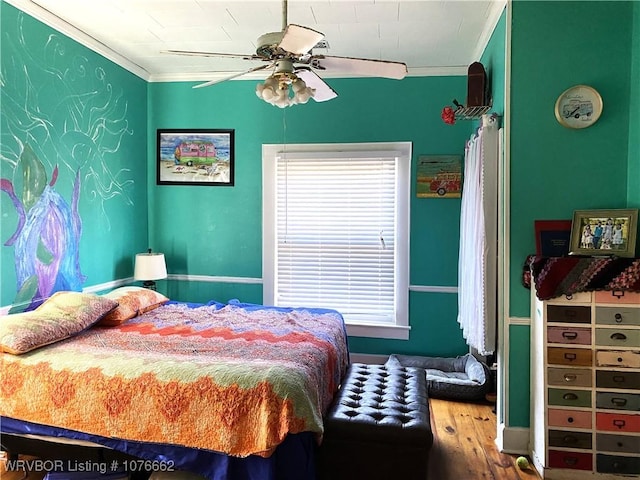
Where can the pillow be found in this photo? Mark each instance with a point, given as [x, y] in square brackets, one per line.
[132, 301]
[61, 316]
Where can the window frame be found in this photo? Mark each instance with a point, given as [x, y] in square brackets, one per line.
[403, 152]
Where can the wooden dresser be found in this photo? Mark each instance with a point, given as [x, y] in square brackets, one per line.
[585, 385]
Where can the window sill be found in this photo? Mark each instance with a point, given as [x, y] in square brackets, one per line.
[372, 330]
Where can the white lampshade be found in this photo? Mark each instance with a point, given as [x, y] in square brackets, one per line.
[150, 266]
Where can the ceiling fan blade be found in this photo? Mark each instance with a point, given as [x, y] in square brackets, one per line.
[211, 54]
[361, 66]
[299, 40]
[235, 75]
[323, 91]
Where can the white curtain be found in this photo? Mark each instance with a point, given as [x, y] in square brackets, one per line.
[477, 264]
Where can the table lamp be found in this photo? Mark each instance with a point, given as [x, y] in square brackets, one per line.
[150, 266]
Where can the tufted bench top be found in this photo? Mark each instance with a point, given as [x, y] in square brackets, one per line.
[380, 403]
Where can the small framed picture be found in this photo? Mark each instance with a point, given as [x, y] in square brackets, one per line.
[439, 176]
[604, 232]
[195, 157]
[552, 237]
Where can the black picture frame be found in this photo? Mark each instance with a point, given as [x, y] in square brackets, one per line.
[201, 157]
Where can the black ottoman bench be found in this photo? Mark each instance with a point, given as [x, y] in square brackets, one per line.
[378, 426]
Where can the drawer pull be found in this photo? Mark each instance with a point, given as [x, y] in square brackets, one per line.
[570, 420]
[620, 359]
[570, 396]
[568, 439]
[618, 378]
[570, 356]
[618, 336]
[570, 335]
[617, 293]
[619, 402]
[619, 423]
[618, 317]
[570, 313]
[570, 377]
[571, 461]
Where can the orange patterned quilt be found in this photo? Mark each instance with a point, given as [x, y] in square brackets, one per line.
[234, 379]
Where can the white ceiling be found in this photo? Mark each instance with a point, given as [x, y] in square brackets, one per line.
[430, 36]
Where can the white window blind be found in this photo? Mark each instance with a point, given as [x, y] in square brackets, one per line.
[336, 228]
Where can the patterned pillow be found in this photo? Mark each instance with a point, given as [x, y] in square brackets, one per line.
[61, 316]
[132, 301]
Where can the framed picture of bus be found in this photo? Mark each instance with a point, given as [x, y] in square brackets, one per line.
[195, 157]
[439, 176]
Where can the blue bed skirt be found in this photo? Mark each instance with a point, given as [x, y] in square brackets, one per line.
[294, 459]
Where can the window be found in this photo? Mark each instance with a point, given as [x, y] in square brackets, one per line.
[335, 232]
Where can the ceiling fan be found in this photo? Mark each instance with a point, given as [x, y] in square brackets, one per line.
[289, 54]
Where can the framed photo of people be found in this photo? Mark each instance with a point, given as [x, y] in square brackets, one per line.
[604, 232]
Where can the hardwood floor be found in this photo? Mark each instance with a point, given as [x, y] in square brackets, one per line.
[463, 448]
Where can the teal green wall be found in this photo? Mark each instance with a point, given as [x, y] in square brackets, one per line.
[493, 59]
[78, 111]
[634, 118]
[518, 372]
[554, 170]
[217, 231]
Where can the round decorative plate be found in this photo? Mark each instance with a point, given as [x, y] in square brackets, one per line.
[578, 107]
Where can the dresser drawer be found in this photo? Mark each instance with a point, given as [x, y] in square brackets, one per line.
[557, 417]
[563, 438]
[568, 314]
[569, 356]
[617, 379]
[575, 460]
[618, 316]
[617, 297]
[578, 297]
[618, 358]
[618, 401]
[618, 422]
[618, 337]
[617, 464]
[569, 398]
[569, 377]
[570, 335]
[606, 442]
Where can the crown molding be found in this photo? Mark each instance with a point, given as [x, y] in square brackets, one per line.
[497, 7]
[45, 16]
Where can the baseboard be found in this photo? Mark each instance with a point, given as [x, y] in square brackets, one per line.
[514, 440]
[368, 358]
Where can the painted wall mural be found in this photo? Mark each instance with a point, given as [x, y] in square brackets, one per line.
[61, 119]
[46, 241]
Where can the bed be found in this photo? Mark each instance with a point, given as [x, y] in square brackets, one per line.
[232, 390]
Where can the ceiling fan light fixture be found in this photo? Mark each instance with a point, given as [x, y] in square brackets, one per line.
[284, 90]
